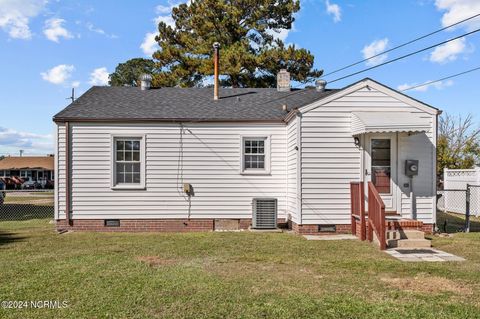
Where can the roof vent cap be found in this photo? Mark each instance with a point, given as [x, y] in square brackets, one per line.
[283, 81]
[320, 85]
[145, 81]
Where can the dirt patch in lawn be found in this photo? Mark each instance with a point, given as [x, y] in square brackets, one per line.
[427, 283]
[155, 261]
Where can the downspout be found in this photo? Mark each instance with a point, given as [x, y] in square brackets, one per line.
[435, 174]
[67, 174]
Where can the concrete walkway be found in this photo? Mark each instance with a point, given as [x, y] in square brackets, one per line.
[422, 254]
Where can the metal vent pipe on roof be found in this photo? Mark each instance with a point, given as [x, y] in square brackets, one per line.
[216, 60]
[145, 81]
[320, 85]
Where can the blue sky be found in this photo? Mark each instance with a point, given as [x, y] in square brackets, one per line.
[46, 47]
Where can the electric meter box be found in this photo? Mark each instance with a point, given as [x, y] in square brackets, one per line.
[411, 168]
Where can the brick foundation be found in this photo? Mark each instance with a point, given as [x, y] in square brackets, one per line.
[347, 229]
[139, 225]
[208, 224]
[405, 224]
[152, 225]
[313, 229]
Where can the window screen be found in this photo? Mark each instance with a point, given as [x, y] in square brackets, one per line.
[127, 161]
[254, 153]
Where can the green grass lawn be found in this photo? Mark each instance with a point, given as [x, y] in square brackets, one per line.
[453, 223]
[229, 275]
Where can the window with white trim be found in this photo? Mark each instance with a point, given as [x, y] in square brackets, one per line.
[255, 154]
[127, 161]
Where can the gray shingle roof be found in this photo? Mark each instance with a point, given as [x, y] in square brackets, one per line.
[179, 104]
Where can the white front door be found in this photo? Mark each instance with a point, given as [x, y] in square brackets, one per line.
[380, 167]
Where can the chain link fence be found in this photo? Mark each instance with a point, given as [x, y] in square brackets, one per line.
[17, 205]
[461, 207]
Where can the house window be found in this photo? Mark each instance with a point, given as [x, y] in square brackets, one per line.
[128, 162]
[23, 174]
[255, 155]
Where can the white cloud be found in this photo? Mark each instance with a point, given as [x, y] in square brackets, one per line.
[161, 9]
[99, 76]
[448, 51]
[168, 20]
[100, 31]
[149, 45]
[280, 34]
[334, 10]
[437, 85]
[13, 141]
[15, 16]
[457, 10]
[58, 74]
[54, 30]
[75, 84]
[373, 49]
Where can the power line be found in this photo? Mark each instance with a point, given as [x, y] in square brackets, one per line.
[402, 45]
[406, 55]
[439, 80]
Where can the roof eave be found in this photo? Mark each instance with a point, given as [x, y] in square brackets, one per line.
[163, 120]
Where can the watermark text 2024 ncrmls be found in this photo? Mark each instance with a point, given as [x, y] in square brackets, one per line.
[34, 304]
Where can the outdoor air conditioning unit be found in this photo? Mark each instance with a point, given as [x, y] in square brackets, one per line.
[264, 213]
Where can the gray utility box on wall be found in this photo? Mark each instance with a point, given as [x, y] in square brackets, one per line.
[264, 213]
[411, 168]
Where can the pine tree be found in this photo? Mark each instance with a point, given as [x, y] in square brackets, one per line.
[250, 54]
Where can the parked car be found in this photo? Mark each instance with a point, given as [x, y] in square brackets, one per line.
[30, 184]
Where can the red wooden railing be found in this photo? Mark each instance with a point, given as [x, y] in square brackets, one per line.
[376, 216]
[357, 206]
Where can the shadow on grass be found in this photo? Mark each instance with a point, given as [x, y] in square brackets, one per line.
[8, 238]
[13, 212]
[454, 223]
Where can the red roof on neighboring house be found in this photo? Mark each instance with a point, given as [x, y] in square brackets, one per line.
[27, 162]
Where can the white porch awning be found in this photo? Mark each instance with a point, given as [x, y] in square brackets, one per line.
[385, 122]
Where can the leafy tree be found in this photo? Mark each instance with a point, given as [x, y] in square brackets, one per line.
[128, 73]
[250, 55]
[458, 144]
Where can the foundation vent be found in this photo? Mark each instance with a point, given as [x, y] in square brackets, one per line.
[112, 223]
[264, 213]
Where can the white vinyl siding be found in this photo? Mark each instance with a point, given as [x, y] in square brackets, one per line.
[292, 181]
[211, 163]
[60, 172]
[330, 159]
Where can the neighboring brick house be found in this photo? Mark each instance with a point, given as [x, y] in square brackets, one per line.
[36, 168]
[174, 159]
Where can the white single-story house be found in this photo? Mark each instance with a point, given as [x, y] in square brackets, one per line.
[176, 159]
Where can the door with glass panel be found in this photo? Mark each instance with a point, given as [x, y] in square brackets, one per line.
[380, 167]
